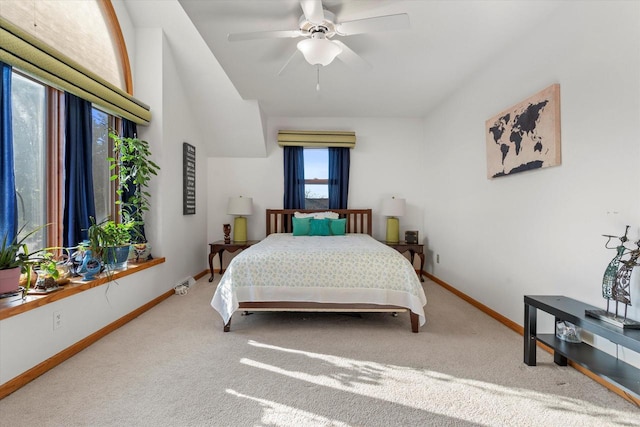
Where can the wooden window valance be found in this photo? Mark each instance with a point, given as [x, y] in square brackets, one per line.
[316, 138]
[27, 53]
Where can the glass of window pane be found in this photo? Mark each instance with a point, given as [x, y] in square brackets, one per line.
[101, 173]
[28, 109]
[316, 174]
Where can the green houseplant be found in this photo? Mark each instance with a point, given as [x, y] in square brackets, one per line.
[132, 166]
[110, 242]
[15, 259]
[47, 272]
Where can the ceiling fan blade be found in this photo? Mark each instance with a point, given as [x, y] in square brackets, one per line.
[291, 58]
[234, 37]
[313, 11]
[351, 58]
[370, 25]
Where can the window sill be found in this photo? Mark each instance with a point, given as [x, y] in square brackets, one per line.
[13, 306]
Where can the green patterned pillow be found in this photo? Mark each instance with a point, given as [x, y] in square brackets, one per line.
[319, 227]
[301, 226]
[338, 227]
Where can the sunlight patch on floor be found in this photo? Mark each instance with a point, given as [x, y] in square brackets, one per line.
[275, 414]
[400, 385]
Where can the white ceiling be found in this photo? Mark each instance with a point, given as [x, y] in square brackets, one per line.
[412, 70]
[234, 86]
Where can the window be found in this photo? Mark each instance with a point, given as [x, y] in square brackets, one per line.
[38, 109]
[82, 30]
[316, 174]
[29, 122]
[102, 191]
[38, 138]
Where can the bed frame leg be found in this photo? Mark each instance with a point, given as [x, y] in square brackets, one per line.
[414, 322]
[227, 327]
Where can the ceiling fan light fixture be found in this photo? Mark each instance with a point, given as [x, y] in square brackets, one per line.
[319, 50]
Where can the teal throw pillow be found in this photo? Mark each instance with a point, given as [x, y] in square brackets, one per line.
[319, 227]
[338, 227]
[301, 226]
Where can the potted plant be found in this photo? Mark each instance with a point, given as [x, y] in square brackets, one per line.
[116, 242]
[15, 259]
[110, 242]
[132, 166]
[47, 272]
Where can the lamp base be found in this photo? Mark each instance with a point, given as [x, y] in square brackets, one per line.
[240, 229]
[393, 230]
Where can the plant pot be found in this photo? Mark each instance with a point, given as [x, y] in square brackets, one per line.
[9, 280]
[141, 252]
[116, 257]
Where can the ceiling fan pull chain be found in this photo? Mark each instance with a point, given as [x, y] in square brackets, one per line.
[318, 78]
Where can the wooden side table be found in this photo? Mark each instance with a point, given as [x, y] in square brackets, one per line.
[219, 246]
[413, 249]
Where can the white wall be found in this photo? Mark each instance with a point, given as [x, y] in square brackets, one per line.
[540, 232]
[180, 239]
[385, 162]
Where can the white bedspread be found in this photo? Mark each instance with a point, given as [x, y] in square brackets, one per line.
[354, 268]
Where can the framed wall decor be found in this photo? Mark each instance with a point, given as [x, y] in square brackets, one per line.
[525, 136]
[188, 179]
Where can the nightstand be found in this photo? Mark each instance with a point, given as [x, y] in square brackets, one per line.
[413, 249]
[219, 246]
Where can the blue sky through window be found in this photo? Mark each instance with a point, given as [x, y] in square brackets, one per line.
[316, 165]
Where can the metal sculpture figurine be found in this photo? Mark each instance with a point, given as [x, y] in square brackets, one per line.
[616, 283]
[611, 273]
[621, 292]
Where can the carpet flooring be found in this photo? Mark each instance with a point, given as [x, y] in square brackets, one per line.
[173, 366]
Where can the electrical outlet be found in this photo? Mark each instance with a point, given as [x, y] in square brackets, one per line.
[437, 258]
[57, 320]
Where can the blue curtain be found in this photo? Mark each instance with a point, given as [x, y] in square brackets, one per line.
[79, 203]
[8, 201]
[293, 178]
[339, 159]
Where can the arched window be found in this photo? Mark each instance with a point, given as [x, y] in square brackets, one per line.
[75, 46]
[55, 46]
[85, 31]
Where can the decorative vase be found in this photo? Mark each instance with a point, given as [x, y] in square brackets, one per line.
[9, 280]
[142, 251]
[90, 266]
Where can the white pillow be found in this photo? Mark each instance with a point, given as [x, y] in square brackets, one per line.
[331, 215]
[303, 215]
[317, 215]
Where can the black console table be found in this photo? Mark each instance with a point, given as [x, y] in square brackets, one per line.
[615, 371]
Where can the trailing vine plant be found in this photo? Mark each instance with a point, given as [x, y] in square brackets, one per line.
[132, 166]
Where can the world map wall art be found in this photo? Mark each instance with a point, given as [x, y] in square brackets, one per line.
[525, 136]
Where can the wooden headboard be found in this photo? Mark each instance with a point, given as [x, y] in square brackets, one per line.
[358, 220]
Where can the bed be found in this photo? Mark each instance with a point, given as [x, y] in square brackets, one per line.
[348, 272]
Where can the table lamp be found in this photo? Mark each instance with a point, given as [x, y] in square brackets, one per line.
[240, 206]
[393, 208]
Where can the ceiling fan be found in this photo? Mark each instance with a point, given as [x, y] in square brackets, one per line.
[318, 26]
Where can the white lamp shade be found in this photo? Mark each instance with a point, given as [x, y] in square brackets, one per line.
[319, 51]
[394, 207]
[240, 206]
